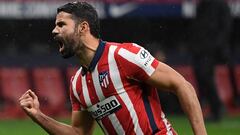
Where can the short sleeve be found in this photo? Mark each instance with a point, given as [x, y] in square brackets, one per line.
[137, 62]
[74, 101]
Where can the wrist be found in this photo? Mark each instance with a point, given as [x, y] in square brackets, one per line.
[35, 115]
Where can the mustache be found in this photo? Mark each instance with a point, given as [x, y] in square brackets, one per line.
[57, 38]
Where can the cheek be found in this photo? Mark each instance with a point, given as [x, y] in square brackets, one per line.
[69, 35]
[71, 38]
[67, 30]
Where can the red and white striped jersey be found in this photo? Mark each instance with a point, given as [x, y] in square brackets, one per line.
[112, 89]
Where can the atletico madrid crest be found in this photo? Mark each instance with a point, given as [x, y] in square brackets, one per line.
[103, 79]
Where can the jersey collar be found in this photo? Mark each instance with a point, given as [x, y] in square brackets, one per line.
[95, 59]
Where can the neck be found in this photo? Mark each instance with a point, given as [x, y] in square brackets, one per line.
[87, 51]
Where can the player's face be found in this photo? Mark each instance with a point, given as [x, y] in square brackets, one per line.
[65, 34]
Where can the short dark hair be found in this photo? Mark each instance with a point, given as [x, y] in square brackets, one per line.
[83, 11]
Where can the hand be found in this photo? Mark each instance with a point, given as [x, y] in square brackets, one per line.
[29, 103]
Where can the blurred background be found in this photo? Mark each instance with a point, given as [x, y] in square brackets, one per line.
[198, 38]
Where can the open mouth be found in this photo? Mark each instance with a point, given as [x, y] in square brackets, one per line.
[60, 43]
[61, 46]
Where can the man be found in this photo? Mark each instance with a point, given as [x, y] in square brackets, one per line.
[114, 85]
[209, 45]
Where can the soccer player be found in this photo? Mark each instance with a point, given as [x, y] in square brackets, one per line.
[116, 85]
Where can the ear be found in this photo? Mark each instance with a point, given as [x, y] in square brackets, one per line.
[83, 27]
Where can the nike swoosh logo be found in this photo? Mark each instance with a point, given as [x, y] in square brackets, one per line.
[121, 10]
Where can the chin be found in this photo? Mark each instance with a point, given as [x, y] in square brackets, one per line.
[67, 55]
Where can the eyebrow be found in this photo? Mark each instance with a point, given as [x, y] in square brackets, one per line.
[60, 23]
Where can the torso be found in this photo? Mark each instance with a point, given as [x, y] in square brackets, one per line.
[120, 103]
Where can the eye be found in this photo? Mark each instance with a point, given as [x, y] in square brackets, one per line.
[61, 24]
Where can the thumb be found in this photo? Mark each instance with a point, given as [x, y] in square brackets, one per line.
[31, 111]
[27, 109]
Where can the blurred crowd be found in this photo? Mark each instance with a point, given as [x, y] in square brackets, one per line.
[209, 46]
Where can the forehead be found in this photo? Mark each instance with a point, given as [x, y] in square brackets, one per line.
[63, 16]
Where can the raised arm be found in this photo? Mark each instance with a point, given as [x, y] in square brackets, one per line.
[166, 78]
[82, 122]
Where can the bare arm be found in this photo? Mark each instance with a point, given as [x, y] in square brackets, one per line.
[168, 79]
[82, 122]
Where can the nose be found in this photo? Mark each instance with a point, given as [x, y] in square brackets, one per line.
[55, 31]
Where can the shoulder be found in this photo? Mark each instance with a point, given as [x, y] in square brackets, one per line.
[129, 47]
[133, 53]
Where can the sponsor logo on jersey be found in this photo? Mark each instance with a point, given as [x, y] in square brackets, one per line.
[103, 79]
[144, 57]
[143, 54]
[104, 108]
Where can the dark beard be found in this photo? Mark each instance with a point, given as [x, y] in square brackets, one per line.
[70, 45]
[68, 48]
[67, 54]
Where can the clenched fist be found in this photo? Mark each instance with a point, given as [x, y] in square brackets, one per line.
[29, 103]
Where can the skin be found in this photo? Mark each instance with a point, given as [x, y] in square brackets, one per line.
[77, 40]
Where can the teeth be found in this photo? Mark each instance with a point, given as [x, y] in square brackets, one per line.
[61, 46]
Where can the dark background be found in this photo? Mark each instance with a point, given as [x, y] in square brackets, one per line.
[32, 38]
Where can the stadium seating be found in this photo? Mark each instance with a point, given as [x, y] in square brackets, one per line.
[237, 76]
[70, 71]
[49, 86]
[187, 72]
[14, 82]
[224, 87]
